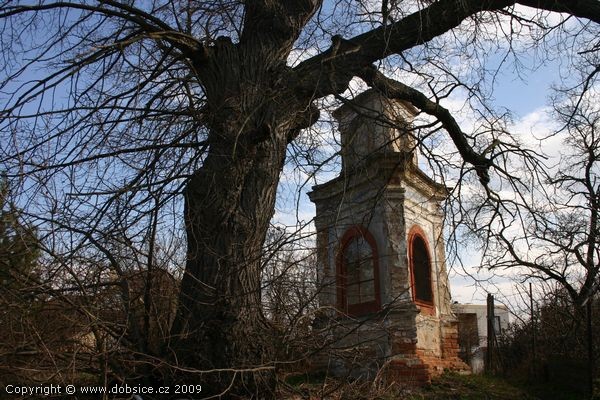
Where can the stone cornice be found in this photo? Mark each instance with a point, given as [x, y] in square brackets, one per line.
[389, 170]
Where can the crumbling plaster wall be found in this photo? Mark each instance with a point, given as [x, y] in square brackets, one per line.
[423, 211]
[380, 188]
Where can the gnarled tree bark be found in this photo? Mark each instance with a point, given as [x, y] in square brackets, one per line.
[230, 201]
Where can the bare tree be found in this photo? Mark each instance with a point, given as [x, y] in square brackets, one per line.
[112, 103]
[549, 230]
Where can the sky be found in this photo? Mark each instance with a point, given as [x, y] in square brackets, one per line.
[526, 95]
[527, 98]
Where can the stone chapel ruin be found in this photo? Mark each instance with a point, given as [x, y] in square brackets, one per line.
[381, 254]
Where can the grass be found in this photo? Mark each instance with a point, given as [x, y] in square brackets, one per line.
[470, 387]
[449, 386]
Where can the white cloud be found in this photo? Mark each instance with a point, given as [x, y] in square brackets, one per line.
[536, 131]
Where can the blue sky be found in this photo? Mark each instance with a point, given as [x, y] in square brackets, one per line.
[526, 95]
[528, 92]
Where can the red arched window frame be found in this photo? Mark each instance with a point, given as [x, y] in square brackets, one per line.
[360, 308]
[421, 281]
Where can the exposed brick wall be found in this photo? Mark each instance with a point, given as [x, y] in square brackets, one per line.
[409, 371]
[450, 346]
[392, 343]
[412, 365]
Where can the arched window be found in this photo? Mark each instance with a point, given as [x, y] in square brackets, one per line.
[420, 268]
[358, 274]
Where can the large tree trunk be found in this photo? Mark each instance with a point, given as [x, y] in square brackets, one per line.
[229, 204]
[253, 115]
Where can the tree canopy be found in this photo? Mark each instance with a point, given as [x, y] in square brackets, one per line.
[127, 123]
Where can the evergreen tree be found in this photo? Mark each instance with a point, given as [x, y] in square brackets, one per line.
[18, 245]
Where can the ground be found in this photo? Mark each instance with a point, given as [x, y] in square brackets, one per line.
[447, 387]
[473, 387]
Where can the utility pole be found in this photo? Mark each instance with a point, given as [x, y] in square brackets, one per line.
[490, 332]
[533, 338]
[590, 346]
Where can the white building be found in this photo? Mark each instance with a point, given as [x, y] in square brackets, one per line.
[473, 332]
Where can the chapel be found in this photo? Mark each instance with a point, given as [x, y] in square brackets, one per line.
[380, 250]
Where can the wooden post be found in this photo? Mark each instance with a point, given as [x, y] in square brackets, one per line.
[590, 347]
[490, 333]
[533, 338]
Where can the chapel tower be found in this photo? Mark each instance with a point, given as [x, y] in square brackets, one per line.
[381, 255]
